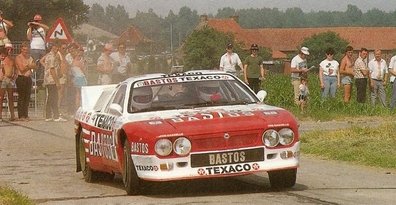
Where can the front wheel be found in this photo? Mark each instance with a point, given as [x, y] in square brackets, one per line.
[129, 175]
[281, 179]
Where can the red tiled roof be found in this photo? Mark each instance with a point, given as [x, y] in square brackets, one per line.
[132, 36]
[288, 39]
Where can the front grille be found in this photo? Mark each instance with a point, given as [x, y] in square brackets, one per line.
[217, 141]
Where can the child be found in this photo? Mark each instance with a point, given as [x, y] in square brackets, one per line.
[303, 95]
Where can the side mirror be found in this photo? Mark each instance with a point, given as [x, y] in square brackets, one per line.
[115, 109]
[261, 95]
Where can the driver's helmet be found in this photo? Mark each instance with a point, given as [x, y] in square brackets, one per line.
[141, 98]
[209, 90]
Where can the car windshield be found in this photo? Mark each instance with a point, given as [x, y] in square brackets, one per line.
[188, 92]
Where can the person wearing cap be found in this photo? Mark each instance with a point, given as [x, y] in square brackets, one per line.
[298, 69]
[253, 71]
[36, 33]
[105, 65]
[4, 26]
[229, 61]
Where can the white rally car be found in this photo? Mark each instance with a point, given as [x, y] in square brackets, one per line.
[197, 124]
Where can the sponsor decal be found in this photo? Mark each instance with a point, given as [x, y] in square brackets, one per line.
[139, 147]
[226, 169]
[172, 135]
[105, 122]
[256, 166]
[279, 125]
[180, 78]
[208, 116]
[270, 112]
[103, 145]
[87, 117]
[227, 158]
[146, 168]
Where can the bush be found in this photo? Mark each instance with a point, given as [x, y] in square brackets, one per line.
[280, 93]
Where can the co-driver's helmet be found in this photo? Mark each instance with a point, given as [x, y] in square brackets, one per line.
[141, 98]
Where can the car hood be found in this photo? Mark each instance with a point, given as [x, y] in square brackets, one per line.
[211, 120]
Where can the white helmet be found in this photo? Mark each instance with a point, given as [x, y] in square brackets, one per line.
[141, 98]
[208, 90]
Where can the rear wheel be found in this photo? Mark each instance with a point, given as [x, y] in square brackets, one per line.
[281, 179]
[89, 174]
[129, 175]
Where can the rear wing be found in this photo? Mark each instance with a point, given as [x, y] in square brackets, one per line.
[91, 94]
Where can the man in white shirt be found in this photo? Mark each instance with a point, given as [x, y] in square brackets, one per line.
[122, 64]
[229, 61]
[392, 71]
[298, 69]
[378, 77]
[36, 35]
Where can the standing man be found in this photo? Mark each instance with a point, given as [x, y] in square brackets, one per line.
[392, 71]
[52, 84]
[105, 65]
[360, 73]
[229, 61]
[4, 26]
[254, 70]
[346, 71]
[25, 65]
[298, 68]
[329, 75]
[378, 77]
[7, 74]
[122, 64]
[36, 35]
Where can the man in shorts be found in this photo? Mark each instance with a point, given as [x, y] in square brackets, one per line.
[346, 71]
[7, 79]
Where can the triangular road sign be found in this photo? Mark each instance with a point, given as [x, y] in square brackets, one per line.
[59, 31]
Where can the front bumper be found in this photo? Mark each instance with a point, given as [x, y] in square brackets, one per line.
[152, 168]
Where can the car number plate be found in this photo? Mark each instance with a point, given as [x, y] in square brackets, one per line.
[229, 157]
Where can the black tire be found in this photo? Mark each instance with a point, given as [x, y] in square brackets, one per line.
[282, 179]
[89, 174]
[131, 181]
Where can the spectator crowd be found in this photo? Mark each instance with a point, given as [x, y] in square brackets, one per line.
[60, 68]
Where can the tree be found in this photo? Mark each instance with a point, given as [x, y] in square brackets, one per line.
[203, 48]
[318, 44]
[73, 12]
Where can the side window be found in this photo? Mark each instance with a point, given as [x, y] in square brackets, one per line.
[119, 97]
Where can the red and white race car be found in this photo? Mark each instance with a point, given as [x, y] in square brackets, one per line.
[197, 124]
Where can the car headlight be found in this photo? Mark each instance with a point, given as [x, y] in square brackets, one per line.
[182, 146]
[163, 147]
[286, 136]
[270, 138]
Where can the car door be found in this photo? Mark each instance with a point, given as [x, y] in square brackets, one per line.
[109, 140]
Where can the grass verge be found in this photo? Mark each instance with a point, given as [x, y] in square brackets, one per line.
[361, 145]
[9, 196]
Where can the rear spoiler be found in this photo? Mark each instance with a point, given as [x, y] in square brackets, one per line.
[91, 94]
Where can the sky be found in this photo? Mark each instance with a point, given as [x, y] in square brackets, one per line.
[162, 7]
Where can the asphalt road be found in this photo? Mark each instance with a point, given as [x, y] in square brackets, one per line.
[37, 158]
